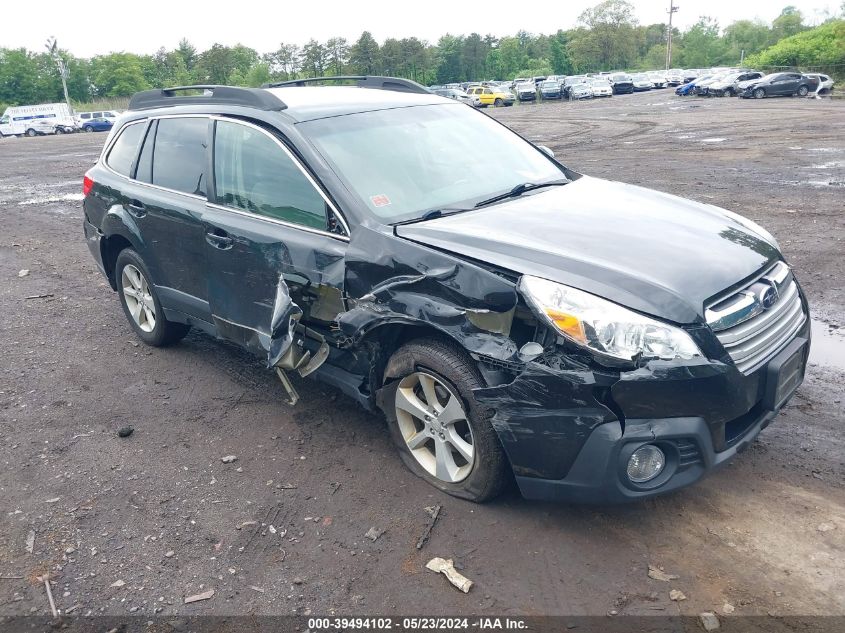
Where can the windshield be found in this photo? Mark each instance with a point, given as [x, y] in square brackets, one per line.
[601, 82]
[620, 77]
[403, 162]
[551, 84]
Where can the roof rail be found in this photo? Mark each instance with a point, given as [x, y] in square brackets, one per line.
[396, 84]
[211, 95]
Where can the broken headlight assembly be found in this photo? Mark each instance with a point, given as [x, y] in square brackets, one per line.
[604, 327]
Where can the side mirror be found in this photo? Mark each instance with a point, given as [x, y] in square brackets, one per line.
[546, 150]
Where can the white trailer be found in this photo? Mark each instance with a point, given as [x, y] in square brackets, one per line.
[36, 119]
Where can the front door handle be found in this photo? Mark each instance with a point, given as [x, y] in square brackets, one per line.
[219, 239]
[136, 208]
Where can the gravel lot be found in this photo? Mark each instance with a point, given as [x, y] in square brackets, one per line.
[135, 525]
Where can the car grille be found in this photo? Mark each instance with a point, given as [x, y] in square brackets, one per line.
[759, 320]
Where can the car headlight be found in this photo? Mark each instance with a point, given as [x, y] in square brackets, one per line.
[603, 326]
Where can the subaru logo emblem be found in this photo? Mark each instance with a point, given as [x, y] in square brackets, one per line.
[769, 297]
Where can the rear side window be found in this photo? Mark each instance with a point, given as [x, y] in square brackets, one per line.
[125, 149]
[144, 171]
[253, 173]
[179, 156]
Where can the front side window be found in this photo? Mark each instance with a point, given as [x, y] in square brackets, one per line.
[403, 162]
[125, 149]
[253, 173]
[179, 156]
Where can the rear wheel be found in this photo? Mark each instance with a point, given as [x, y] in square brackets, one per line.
[141, 304]
[803, 91]
[759, 93]
[60, 130]
[88, 128]
[498, 103]
[30, 133]
[442, 433]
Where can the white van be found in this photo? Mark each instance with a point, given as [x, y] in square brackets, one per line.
[83, 117]
[35, 119]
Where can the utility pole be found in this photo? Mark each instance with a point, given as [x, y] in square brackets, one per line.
[672, 10]
[52, 47]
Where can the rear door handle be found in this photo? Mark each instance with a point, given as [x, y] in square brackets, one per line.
[136, 208]
[219, 239]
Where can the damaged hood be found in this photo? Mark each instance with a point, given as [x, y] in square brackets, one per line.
[650, 251]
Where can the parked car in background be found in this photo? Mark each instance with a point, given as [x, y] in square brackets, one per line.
[690, 74]
[780, 85]
[658, 78]
[551, 90]
[674, 77]
[702, 86]
[488, 96]
[459, 95]
[582, 89]
[526, 91]
[728, 83]
[642, 82]
[622, 83]
[570, 81]
[688, 88]
[84, 117]
[825, 83]
[101, 124]
[600, 87]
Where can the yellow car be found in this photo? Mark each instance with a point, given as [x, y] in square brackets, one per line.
[488, 96]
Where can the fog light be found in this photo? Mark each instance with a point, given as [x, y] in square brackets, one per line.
[645, 464]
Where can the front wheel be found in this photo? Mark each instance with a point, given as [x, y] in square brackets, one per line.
[141, 304]
[59, 131]
[803, 91]
[442, 433]
[30, 133]
[88, 128]
[759, 93]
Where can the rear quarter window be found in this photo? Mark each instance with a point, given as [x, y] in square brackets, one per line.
[125, 148]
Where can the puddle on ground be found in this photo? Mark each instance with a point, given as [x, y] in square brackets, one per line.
[714, 140]
[828, 346]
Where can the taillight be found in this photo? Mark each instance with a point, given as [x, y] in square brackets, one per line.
[87, 184]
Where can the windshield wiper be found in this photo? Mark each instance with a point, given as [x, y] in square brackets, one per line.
[520, 189]
[432, 214]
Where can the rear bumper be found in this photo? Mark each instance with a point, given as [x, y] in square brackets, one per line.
[694, 445]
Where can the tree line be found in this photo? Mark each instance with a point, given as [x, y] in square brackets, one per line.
[606, 37]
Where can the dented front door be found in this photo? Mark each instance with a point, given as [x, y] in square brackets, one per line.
[267, 244]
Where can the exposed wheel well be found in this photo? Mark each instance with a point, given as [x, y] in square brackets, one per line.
[386, 339]
[110, 248]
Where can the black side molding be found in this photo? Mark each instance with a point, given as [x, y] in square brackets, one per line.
[396, 84]
[209, 95]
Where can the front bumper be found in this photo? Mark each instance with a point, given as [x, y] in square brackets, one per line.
[700, 416]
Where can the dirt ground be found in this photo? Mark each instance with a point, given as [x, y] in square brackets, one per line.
[135, 525]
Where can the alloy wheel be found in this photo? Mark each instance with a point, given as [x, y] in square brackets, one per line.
[139, 300]
[434, 425]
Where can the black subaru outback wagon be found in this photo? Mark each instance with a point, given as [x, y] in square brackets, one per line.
[597, 341]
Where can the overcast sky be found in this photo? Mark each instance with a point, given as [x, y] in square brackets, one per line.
[90, 28]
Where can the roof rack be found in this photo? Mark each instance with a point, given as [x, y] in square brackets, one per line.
[211, 95]
[362, 81]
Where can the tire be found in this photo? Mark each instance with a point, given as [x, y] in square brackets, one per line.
[454, 376]
[59, 131]
[30, 133]
[730, 92]
[759, 93]
[88, 128]
[498, 103]
[158, 332]
[803, 91]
